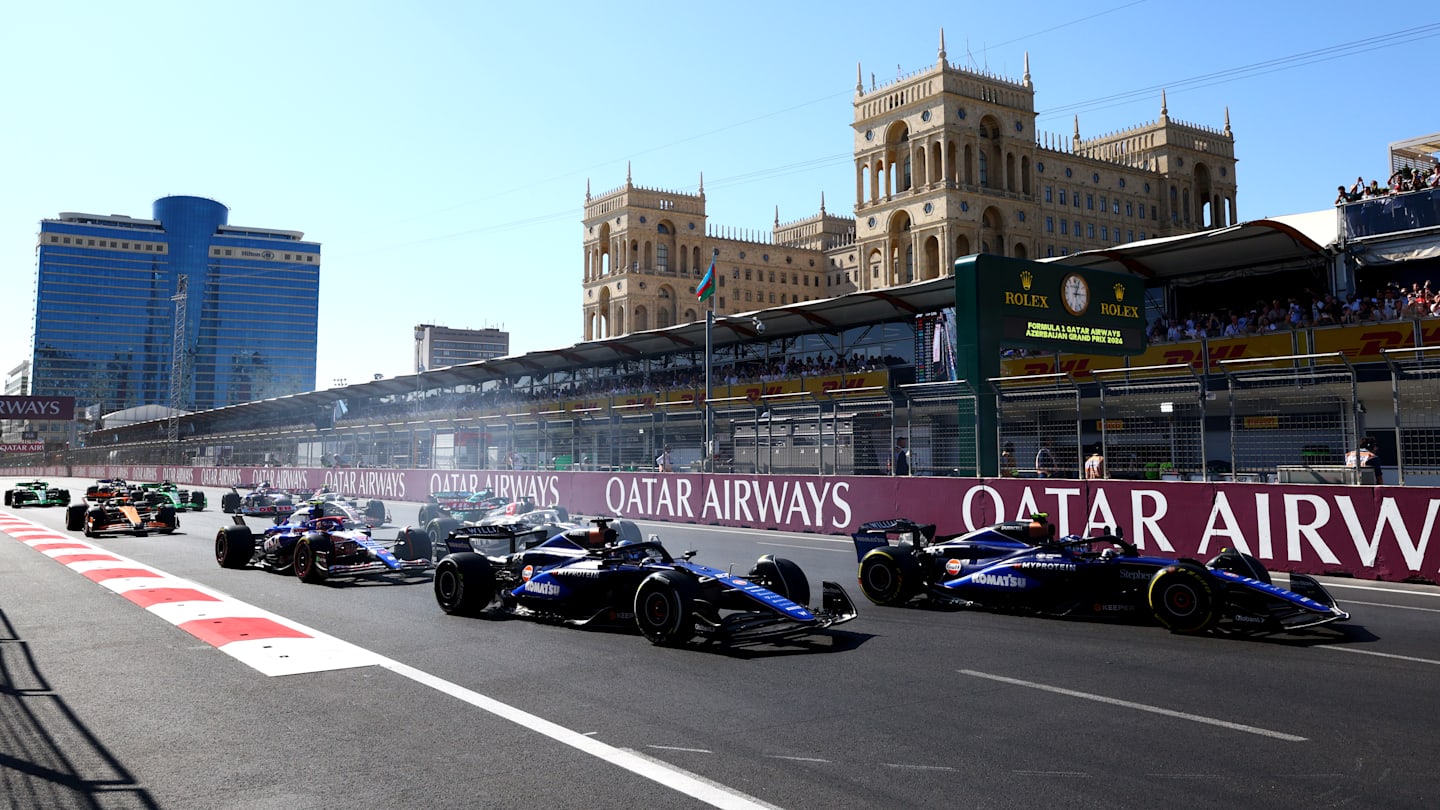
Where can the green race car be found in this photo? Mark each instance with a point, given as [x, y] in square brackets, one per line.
[36, 493]
[166, 493]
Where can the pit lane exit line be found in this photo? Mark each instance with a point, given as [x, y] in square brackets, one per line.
[1194, 718]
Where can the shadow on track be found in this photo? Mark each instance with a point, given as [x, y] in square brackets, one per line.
[48, 757]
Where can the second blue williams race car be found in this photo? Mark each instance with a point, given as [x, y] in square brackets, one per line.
[591, 576]
[1022, 566]
[317, 542]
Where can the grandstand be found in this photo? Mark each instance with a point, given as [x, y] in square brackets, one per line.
[829, 384]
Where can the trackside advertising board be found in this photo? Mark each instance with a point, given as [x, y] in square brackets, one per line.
[1369, 532]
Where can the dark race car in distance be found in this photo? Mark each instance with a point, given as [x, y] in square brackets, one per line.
[36, 493]
[168, 493]
[319, 541]
[370, 510]
[263, 501]
[1022, 566]
[119, 513]
[461, 505]
[588, 577]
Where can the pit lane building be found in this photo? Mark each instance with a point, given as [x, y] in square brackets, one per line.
[106, 307]
[948, 162]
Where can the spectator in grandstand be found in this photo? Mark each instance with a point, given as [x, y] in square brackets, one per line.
[663, 462]
[901, 464]
[1366, 456]
[1343, 196]
[1007, 460]
[1045, 463]
[1095, 465]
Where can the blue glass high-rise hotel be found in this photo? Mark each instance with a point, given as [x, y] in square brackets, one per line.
[106, 303]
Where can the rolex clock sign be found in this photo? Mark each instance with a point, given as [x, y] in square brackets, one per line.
[1057, 308]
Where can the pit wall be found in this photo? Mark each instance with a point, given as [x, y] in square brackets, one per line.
[1367, 532]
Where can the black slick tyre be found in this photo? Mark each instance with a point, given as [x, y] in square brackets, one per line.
[439, 530]
[1183, 599]
[464, 584]
[167, 516]
[75, 517]
[307, 563]
[375, 510]
[889, 575]
[230, 503]
[413, 544]
[665, 608]
[234, 546]
[94, 519]
[783, 577]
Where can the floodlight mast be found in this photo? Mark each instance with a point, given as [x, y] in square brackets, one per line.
[177, 367]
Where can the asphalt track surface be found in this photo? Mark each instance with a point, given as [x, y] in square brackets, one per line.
[105, 705]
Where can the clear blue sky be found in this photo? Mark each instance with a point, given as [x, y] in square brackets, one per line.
[439, 151]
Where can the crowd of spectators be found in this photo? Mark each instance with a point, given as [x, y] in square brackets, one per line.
[509, 397]
[1389, 303]
[1403, 180]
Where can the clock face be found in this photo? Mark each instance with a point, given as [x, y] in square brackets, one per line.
[1075, 294]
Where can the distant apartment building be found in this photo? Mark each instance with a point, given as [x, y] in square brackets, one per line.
[948, 162]
[111, 290]
[440, 346]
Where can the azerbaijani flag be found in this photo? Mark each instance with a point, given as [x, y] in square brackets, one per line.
[707, 282]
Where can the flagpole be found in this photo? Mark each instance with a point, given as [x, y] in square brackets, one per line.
[707, 291]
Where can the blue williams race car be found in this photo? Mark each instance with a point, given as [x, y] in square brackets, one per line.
[1022, 566]
[590, 576]
[317, 542]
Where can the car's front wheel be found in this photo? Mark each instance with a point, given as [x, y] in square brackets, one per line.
[307, 560]
[1182, 599]
[665, 607]
[783, 577]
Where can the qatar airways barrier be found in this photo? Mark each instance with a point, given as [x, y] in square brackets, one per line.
[1370, 532]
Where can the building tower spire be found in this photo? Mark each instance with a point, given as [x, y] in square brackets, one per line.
[941, 56]
[587, 189]
[859, 81]
[1164, 108]
[777, 216]
[822, 203]
[1227, 120]
[1077, 130]
[627, 172]
[1027, 69]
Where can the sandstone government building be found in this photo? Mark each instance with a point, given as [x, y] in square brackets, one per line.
[948, 162]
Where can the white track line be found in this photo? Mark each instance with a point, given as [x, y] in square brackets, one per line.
[1194, 718]
[1379, 654]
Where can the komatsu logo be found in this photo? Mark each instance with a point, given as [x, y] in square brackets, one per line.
[1000, 580]
[542, 588]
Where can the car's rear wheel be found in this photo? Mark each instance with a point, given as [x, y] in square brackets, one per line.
[665, 607]
[197, 500]
[230, 503]
[428, 512]
[889, 575]
[782, 576]
[307, 563]
[413, 544]
[464, 584]
[439, 530]
[375, 510]
[1182, 598]
[234, 546]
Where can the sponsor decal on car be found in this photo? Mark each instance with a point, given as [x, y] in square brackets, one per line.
[1131, 573]
[1000, 580]
[542, 588]
[953, 566]
[527, 572]
[1046, 566]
